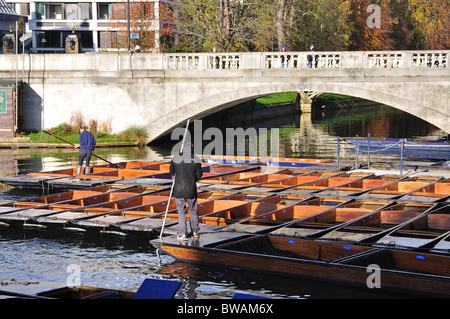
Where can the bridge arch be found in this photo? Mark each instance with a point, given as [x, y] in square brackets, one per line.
[220, 101]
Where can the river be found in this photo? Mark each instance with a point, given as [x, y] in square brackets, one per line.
[108, 260]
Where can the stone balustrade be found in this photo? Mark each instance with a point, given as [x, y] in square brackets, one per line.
[224, 61]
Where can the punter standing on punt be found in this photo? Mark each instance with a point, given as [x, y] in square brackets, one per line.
[187, 170]
[86, 146]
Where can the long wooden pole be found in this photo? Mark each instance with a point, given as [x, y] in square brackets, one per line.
[173, 184]
[59, 138]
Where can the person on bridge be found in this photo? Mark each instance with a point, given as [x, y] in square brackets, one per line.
[86, 146]
[187, 170]
[283, 58]
[310, 57]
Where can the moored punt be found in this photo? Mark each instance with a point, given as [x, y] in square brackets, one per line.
[324, 183]
[92, 180]
[152, 210]
[359, 186]
[433, 192]
[401, 271]
[274, 182]
[28, 209]
[269, 221]
[60, 216]
[270, 161]
[372, 226]
[209, 172]
[205, 208]
[398, 188]
[419, 231]
[60, 213]
[151, 288]
[38, 179]
[323, 222]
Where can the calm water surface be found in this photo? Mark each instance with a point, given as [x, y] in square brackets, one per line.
[108, 260]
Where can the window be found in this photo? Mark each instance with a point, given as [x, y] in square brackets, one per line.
[104, 11]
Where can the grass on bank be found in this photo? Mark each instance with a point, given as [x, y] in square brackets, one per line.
[71, 134]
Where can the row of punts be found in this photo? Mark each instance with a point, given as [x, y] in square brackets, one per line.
[322, 224]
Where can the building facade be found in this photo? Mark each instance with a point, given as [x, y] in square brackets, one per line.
[97, 24]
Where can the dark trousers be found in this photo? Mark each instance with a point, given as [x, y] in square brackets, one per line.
[193, 215]
[82, 155]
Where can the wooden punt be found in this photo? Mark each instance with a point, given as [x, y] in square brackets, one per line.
[38, 179]
[422, 274]
[151, 288]
[398, 188]
[101, 178]
[321, 223]
[419, 231]
[359, 186]
[113, 217]
[437, 191]
[205, 209]
[324, 183]
[255, 176]
[274, 182]
[270, 161]
[209, 172]
[28, 209]
[269, 221]
[374, 225]
[62, 213]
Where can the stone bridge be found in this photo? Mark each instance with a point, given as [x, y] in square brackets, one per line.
[161, 91]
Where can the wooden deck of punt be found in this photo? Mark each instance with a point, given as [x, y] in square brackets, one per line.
[207, 210]
[438, 191]
[37, 179]
[421, 231]
[324, 183]
[399, 187]
[319, 224]
[46, 206]
[401, 271]
[372, 226]
[269, 221]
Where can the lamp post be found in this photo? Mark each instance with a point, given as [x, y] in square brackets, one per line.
[128, 24]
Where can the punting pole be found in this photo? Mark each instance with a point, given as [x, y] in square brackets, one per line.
[173, 183]
[59, 138]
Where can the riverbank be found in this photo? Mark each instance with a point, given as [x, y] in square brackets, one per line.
[26, 142]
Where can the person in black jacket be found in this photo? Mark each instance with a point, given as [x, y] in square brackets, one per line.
[187, 170]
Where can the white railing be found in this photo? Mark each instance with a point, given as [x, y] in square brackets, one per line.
[309, 60]
[385, 60]
[285, 61]
[430, 60]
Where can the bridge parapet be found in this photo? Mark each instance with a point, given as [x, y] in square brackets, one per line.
[113, 62]
[299, 60]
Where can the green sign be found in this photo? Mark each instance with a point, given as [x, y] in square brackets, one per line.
[3, 102]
